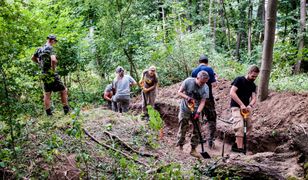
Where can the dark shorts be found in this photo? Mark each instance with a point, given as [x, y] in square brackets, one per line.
[52, 83]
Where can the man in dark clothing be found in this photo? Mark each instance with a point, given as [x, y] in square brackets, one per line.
[243, 98]
[209, 108]
[46, 57]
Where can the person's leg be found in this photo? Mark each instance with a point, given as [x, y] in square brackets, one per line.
[109, 105]
[238, 126]
[47, 97]
[152, 97]
[125, 105]
[58, 86]
[183, 128]
[195, 140]
[144, 102]
[211, 117]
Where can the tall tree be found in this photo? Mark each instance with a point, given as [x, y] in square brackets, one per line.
[301, 35]
[267, 57]
[249, 27]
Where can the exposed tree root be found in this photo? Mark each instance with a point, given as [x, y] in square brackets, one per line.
[128, 147]
[118, 151]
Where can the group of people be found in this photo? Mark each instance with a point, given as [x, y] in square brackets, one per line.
[196, 92]
[117, 94]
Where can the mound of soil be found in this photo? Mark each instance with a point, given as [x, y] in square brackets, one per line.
[277, 122]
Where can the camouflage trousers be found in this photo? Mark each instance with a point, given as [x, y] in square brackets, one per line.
[184, 119]
[211, 116]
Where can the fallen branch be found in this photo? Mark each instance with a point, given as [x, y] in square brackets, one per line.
[109, 147]
[157, 170]
[128, 147]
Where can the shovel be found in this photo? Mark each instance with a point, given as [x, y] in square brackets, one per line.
[191, 106]
[204, 154]
[245, 115]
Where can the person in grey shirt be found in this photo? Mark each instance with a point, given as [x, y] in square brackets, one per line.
[122, 84]
[193, 91]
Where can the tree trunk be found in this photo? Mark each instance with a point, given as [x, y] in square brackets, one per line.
[214, 27]
[301, 35]
[294, 23]
[189, 28]
[164, 22]
[227, 22]
[267, 57]
[249, 28]
[263, 20]
[285, 27]
[210, 13]
[238, 46]
[260, 22]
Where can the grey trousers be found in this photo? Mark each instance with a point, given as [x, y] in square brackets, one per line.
[148, 99]
[122, 102]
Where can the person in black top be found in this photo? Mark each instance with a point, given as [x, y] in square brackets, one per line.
[46, 57]
[243, 98]
[209, 108]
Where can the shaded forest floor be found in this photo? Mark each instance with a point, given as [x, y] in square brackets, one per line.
[57, 148]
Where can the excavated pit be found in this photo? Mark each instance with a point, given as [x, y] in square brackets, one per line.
[276, 124]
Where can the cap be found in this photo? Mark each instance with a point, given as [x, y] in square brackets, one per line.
[119, 69]
[52, 37]
[203, 57]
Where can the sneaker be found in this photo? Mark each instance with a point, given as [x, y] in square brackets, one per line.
[234, 148]
[195, 154]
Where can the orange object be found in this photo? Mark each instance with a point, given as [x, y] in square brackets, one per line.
[245, 113]
[161, 134]
[191, 105]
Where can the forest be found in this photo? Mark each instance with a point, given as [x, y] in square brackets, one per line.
[95, 37]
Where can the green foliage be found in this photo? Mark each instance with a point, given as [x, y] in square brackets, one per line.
[156, 122]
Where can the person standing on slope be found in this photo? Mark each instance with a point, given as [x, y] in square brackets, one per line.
[243, 98]
[209, 109]
[46, 57]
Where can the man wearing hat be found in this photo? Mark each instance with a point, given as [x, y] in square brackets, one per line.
[209, 108]
[46, 57]
[122, 83]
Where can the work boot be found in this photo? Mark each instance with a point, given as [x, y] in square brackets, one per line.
[180, 146]
[66, 109]
[194, 153]
[211, 144]
[49, 112]
[234, 148]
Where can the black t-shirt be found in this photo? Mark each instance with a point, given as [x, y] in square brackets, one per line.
[245, 88]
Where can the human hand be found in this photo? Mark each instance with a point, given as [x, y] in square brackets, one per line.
[190, 100]
[243, 107]
[145, 90]
[197, 116]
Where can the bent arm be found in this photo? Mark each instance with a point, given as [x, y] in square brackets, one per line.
[253, 99]
[235, 97]
[35, 59]
[54, 62]
[182, 94]
[106, 97]
[201, 106]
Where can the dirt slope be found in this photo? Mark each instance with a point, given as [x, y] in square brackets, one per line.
[277, 123]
